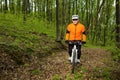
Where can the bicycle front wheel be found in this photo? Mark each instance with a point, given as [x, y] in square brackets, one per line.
[73, 63]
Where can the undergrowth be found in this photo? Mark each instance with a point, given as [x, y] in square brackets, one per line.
[32, 36]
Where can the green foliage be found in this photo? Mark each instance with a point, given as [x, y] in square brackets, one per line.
[115, 53]
[35, 72]
[56, 77]
[40, 26]
[26, 65]
[78, 76]
[114, 50]
[106, 74]
[14, 31]
[29, 36]
[68, 77]
[14, 22]
[101, 73]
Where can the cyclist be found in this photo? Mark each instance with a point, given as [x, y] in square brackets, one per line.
[75, 32]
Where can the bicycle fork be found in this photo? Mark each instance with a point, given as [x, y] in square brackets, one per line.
[74, 51]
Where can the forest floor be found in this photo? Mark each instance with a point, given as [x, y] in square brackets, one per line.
[96, 64]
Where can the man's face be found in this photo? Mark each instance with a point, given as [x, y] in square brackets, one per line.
[75, 21]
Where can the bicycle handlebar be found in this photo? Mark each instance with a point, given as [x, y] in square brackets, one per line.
[75, 42]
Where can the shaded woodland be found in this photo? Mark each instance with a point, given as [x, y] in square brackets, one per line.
[101, 17]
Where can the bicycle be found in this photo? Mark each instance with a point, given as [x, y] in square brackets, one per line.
[74, 54]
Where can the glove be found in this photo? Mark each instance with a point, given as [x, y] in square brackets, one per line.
[66, 41]
[83, 42]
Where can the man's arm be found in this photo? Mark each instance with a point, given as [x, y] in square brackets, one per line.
[83, 35]
[67, 34]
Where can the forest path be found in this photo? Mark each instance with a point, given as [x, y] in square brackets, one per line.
[94, 66]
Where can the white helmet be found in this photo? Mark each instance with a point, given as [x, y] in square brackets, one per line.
[75, 17]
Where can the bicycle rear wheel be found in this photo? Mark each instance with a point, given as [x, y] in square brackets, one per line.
[73, 63]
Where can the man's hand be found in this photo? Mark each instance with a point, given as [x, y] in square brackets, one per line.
[66, 41]
[83, 42]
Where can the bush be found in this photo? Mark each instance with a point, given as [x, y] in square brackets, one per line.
[116, 54]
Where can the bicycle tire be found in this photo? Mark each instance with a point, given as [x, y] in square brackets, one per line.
[73, 63]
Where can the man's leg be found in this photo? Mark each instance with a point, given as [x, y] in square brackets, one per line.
[70, 46]
[79, 51]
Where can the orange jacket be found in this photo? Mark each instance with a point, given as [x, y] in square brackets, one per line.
[75, 32]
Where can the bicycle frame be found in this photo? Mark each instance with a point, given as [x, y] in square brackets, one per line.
[74, 52]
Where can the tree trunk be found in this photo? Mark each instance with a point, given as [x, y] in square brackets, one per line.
[1, 6]
[18, 6]
[63, 19]
[11, 6]
[49, 11]
[43, 9]
[24, 7]
[118, 23]
[28, 6]
[6, 6]
[35, 7]
[69, 8]
[57, 22]
[39, 9]
[73, 8]
[76, 7]
[96, 20]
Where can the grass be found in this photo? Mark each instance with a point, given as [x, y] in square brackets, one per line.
[56, 77]
[35, 72]
[12, 27]
[33, 36]
[32, 24]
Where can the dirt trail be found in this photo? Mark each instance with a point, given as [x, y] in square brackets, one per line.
[57, 67]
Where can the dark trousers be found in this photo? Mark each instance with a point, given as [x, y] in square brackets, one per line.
[70, 47]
